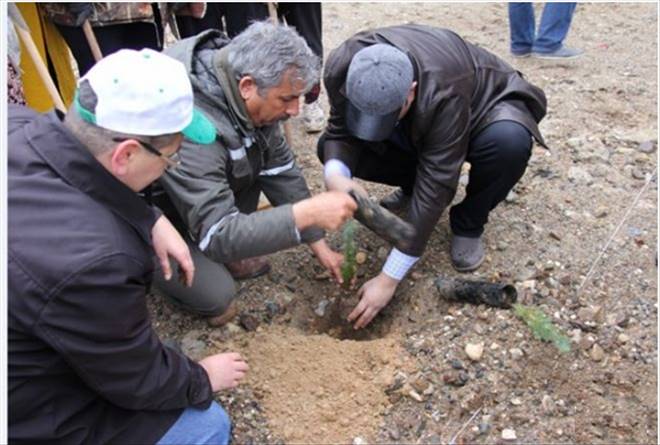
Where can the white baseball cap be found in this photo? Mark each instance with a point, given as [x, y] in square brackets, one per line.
[143, 93]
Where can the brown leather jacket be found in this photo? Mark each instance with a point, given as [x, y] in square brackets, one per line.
[461, 89]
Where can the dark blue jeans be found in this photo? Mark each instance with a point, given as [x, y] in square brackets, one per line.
[555, 23]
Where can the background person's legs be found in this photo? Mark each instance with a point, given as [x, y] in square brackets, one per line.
[209, 426]
[522, 28]
[498, 157]
[212, 291]
[554, 26]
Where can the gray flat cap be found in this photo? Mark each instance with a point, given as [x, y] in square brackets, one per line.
[377, 84]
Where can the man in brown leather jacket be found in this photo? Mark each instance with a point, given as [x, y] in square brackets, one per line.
[409, 105]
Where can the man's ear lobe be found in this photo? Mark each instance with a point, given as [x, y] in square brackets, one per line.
[121, 157]
[247, 87]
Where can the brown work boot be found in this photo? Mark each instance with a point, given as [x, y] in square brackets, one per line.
[248, 268]
[220, 320]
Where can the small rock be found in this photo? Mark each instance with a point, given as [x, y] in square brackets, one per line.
[511, 197]
[192, 346]
[623, 338]
[484, 428]
[360, 257]
[320, 308]
[547, 404]
[586, 342]
[394, 434]
[516, 401]
[601, 212]
[456, 378]
[638, 173]
[647, 147]
[382, 253]
[509, 434]
[502, 246]
[325, 275]
[415, 396]
[248, 321]
[359, 441]
[579, 176]
[597, 354]
[416, 276]
[474, 351]
[233, 328]
[457, 364]
[516, 353]
[272, 308]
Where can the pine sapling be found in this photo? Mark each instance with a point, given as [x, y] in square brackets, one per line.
[542, 327]
[349, 248]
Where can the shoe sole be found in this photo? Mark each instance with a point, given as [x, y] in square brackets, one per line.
[546, 57]
[471, 267]
[522, 56]
[224, 318]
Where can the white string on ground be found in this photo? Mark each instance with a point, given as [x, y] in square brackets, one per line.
[616, 230]
[452, 441]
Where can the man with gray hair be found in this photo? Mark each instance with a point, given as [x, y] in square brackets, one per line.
[84, 362]
[246, 86]
[409, 105]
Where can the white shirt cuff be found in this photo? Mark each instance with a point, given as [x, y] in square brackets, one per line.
[336, 167]
[398, 264]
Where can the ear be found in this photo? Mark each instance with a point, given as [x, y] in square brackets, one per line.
[247, 87]
[122, 156]
[411, 92]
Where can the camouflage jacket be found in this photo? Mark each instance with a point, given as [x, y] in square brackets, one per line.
[104, 13]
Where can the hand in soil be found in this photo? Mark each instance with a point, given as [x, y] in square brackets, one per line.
[328, 258]
[374, 295]
[168, 243]
[224, 370]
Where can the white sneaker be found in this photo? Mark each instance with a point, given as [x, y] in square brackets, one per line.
[313, 117]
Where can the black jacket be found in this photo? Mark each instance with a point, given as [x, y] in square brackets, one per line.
[85, 365]
[461, 89]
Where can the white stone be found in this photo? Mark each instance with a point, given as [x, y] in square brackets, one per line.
[509, 434]
[474, 351]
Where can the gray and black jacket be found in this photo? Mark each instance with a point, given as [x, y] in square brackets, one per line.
[211, 188]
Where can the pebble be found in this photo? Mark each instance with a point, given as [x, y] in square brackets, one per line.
[516, 353]
[233, 328]
[192, 346]
[516, 401]
[360, 257]
[647, 147]
[580, 176]
[415, 396]
[474, 351]
[382, 253]
[601, 212]
[416, 276]
[359, 441]
[456, 378]
[547, 404]
[321, 307]
[249, 322]
[509, 434]
[502, 246]
[638, 173]
[623, 338]
[597, 354]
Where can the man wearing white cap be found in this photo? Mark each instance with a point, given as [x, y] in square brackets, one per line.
[85, 365]
[409, 105]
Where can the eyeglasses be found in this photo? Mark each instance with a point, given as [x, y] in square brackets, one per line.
[173, 160]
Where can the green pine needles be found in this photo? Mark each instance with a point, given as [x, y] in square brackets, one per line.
[349, 248]
[542, 326]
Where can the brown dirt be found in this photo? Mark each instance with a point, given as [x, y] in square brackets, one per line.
[602, 115]
[337, 395]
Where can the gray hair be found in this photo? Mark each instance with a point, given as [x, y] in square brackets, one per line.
[98, 140]
[266, 51]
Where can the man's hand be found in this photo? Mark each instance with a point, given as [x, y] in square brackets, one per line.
[224, 370]
[375, 294]
[168, 243]
[341, 183]
[330, 259]
[328, 210]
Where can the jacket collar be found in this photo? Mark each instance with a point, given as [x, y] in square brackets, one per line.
[227, 78]
[75, 164]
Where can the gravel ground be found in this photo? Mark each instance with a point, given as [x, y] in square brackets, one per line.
[409, 377]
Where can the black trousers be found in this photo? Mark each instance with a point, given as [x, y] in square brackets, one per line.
[112, 38]
[305, 17]
[498, 156]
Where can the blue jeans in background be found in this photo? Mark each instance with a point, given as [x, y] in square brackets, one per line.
[555, 23]
[197, 426]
